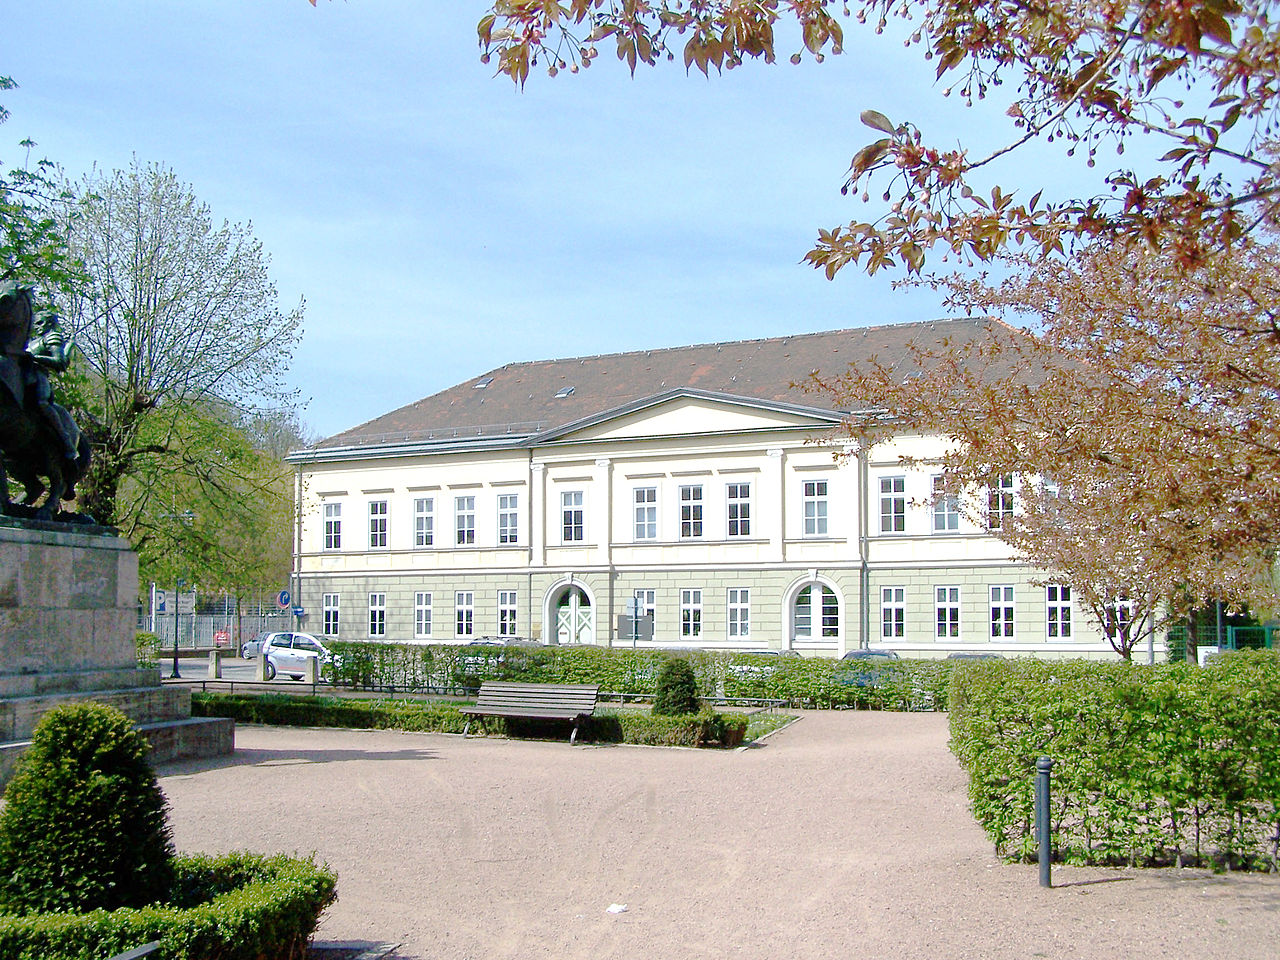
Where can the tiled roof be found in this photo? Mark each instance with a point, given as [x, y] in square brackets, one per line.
[519, 399]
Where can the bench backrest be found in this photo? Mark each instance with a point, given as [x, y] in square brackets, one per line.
[538, 699]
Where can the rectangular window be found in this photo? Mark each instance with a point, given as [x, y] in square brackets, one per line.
[691, 511]
[377, 524]
[424, 521]
[464, 606]
[690, 613]
[739, 612]
[1002, 613]
[464, 514]
[893, 504]
[1058, 611]
[946, 508]
[1000, 502]
[648, 603]
[508, 518]
[646, 515]
[506, 613]
[422, 614]
[572, 517]
[738, 497]
[815, 508]
[330, 605]
[377, 614]
[893, 612]
[947, 606]
[333, 526]
[830, 614]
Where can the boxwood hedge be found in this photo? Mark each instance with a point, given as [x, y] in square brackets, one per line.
[1168, 764]
[802, 681]
[701, 729]
[240, 906]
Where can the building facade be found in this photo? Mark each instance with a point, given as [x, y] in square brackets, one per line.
[690, 497]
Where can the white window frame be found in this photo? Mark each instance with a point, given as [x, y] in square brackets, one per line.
[1003, 611]
[691, 511]
[573, 516]
[1000, 502]
[379, 511]
[893, 613]
[331, 605]
[947, 617]
[422, 615]
[946, 508]
[893, 504]
[508, 518]
[1058, 611]
[508, 613]
[814, 494]
[464, 613]
[691, 613]
[739, 608]
[464, 521]
[424, 521]
[644, 502]
[377, 614]
[333, 526]
[737, 497]
[828, 612]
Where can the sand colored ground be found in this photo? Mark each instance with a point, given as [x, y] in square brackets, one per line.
[846, 835]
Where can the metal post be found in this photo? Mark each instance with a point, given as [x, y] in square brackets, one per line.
[1043, 766]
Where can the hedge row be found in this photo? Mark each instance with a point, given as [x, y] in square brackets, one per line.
[236, 907]
[702, 729]
[1169, 764]
[808, 681]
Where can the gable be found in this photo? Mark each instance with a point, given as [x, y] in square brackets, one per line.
[691, 416]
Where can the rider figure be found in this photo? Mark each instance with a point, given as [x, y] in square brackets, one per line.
[48, 348]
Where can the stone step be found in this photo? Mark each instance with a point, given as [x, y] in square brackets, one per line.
[147, 704]
[76, 681]
[183, 739]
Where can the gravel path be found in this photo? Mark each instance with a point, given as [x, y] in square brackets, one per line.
[846, 835]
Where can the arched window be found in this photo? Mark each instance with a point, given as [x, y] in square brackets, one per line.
[816, 613]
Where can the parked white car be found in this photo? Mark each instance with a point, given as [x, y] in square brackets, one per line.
[288, 653]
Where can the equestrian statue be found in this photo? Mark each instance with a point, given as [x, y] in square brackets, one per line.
[40, 445]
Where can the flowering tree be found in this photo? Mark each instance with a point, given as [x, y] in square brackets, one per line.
[1201, 75]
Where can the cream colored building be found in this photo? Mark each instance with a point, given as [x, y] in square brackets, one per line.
[693, 486]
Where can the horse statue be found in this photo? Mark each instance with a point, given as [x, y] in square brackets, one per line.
[40, 444]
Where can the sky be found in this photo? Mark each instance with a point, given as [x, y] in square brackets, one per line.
[438, 221]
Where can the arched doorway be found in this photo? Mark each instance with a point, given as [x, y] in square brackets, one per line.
[815, 616]
[574, 616]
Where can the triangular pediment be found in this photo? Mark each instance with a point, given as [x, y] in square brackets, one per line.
[687, 413]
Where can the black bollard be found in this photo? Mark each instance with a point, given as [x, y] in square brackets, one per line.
[1043, 766]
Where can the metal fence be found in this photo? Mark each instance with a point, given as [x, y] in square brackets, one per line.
[197, 631]
[1230, 638]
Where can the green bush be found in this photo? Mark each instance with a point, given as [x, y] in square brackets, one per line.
[1152, 765]
[83, 825]
[676, 690]
[235, 907]
[147, 649]
[686, 730]
[803, 681]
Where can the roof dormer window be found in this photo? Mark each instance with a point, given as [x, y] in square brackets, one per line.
[482, 383]
[564, 392]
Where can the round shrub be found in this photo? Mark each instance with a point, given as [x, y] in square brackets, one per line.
[676, 691]
[83, 825]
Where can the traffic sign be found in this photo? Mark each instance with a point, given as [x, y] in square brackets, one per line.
[298, 611]
[187, 603]
[161, 597]
[282, 599]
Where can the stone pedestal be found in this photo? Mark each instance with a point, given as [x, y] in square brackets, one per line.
[68, 610]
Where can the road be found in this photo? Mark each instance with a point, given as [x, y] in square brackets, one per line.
[233, 668]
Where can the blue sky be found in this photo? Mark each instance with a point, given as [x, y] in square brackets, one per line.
[441, 223]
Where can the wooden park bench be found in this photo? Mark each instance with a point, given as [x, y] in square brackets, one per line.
[535, 701]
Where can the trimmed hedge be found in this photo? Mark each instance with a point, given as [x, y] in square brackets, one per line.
[804, 681]
[690, 730]
[1171, 764]
[235, 907]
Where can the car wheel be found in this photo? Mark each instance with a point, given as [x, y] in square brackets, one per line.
[271, 670]
[295, 676]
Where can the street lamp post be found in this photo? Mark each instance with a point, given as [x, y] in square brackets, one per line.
[176, 606]
[181, 519]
